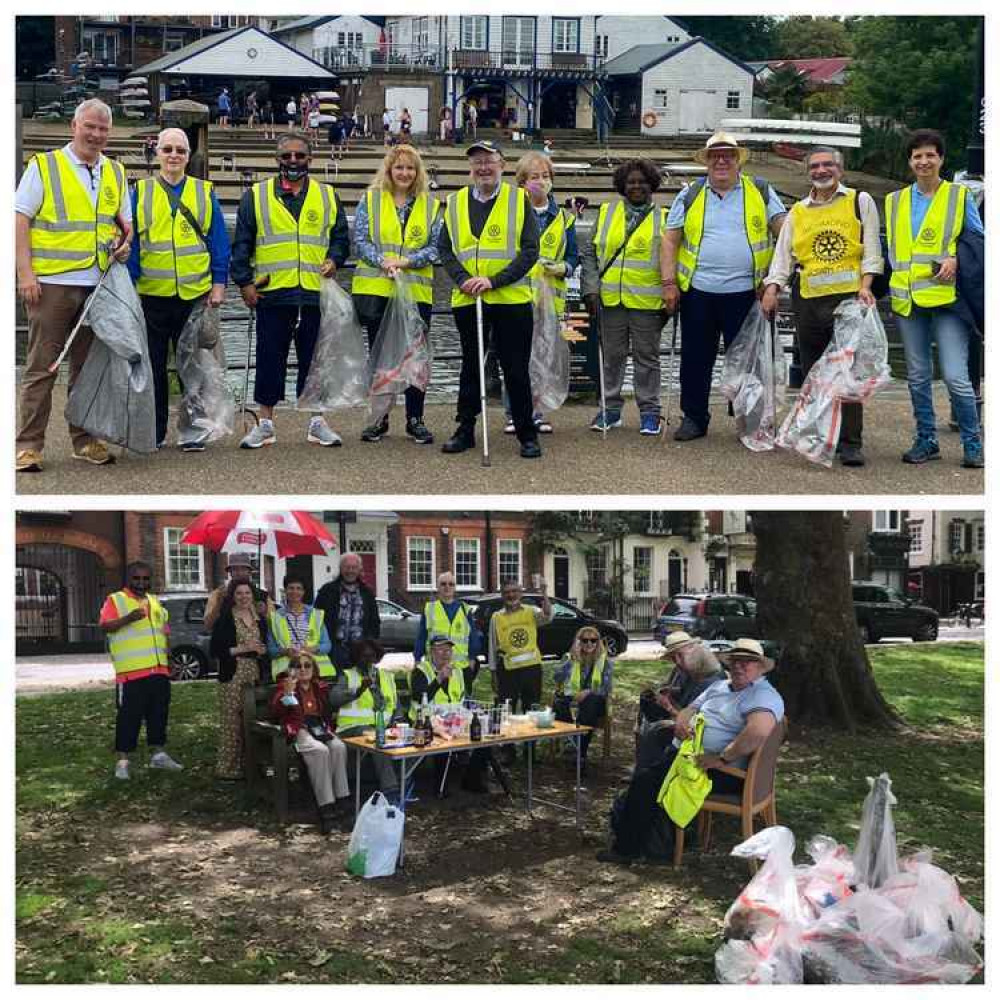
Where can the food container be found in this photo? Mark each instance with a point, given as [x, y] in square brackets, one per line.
[543, 719]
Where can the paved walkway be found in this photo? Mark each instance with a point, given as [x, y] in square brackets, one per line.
[575, 461]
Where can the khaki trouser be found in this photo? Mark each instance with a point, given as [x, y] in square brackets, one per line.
[326, 764]
[50, 322]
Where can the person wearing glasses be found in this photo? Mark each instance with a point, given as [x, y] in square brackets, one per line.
[292, 232]
[830, 243]
[179, 260]
[135, 624]
[583, 681]
[446, 614]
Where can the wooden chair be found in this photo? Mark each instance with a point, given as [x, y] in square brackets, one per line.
[757, 796]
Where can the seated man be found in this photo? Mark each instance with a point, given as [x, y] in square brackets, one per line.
[739, 715]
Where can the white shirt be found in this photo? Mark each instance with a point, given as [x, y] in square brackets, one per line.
[31, 193]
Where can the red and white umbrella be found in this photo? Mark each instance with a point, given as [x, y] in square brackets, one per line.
[273, 533]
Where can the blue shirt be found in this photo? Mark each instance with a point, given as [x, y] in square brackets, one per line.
[298, 635]
[450, 609]
[920, 202]
[218, 239]
[725, 261]
[365, 249]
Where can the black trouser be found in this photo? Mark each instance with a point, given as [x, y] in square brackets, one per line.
[165, 318]
[374, 309]
[813, 332]
[475, 768]
[590, 712]
[512, 328]
[524, 685]
[146, 698]
[277, 327]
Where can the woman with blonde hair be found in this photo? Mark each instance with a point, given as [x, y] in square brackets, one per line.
[583, 682]
[557, 251]
[396, 229]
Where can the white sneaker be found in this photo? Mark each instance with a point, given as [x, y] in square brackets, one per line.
[320, 433]
[164, 761]
[121, 770]
[261, 435]
[508, 427]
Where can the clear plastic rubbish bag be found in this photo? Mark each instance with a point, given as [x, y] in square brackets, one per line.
[875, 857]
[376, 838]
[338, 374]
[853, 368]
[207, 409]
[828, 879]
[401, 355]
[753, 380]
[112, 398]
[548, 368]
[767, 959]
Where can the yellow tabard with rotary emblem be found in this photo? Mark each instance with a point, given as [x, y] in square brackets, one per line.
[517, 638]
[827, 244]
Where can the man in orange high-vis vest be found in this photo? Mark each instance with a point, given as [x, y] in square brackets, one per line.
[136, 626]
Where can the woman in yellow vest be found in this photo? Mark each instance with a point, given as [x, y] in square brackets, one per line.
[583, 679]
[396, 230]
[557, 254]
[923, 224]
[296, 627]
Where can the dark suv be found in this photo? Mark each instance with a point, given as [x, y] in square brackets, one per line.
[708, 616]
[189, 642]
[556, 637]
[882, 612]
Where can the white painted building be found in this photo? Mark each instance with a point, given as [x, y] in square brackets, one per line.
[340, 42]
[617, 33]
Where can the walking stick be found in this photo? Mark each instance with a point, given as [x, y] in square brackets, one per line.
[771, 380]
[598, 325]
[54, 367]
[670, 375]
[482, 380]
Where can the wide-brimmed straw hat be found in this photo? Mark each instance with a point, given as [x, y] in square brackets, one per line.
[722, 140]
[748, 649]
[675, 641]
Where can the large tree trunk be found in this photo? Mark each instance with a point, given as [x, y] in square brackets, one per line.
[803, 588]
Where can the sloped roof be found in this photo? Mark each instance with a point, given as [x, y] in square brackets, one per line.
[817, 70]
[314, 22]
[640, 58]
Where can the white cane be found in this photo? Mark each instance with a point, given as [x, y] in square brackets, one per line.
[482, 380]
[670, 373]
[600, 371]
[54, 367]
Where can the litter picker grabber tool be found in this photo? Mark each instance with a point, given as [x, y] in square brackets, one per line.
[670, 372]
[600, 370]
[249, 417]
[54, 367]
[772, 383]
[482, 380]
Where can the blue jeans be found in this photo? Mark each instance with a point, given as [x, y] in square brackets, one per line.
[920, 329]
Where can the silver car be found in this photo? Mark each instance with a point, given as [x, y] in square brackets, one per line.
[399, 626]
[189, 642]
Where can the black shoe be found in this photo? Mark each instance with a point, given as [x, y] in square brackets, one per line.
[376, 431]
[530, 449]
[657, 859]
[416, 429]
[461, 440]
[327, 818]
[850, 454]
[613, 857]
[689, 430]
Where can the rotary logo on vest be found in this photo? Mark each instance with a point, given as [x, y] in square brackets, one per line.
[757, 223]
[928, 235]
[312, 215]
[186, 227]
[519, 637]
[549, 238]
[109, 193]
[829, 245]
[417, 231]
[494, 231]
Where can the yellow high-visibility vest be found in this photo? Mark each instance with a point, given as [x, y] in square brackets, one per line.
[912, 280]
[453, 694]
[361, 711]
[280, 629]
[457, 629]
[552, 248]
[173, 258]
[497, 246]
[289, 250]
[573, 684]
[517, 638]
[69, 233]
[386, 233]
[141, 645]
[633, 280]
[827, 243]
[754, 224]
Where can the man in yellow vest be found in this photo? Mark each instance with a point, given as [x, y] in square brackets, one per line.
[830, 240]
[138, 641]
[716, 251]
[514, 655]
[292, 232]
[180, 256]
[72, 213]
[923, 225]
[488, 245]
[447, 615]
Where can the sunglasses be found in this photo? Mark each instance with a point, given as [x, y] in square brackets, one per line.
[141, 579]
[589, 642]
[174, 149]
[293, 156]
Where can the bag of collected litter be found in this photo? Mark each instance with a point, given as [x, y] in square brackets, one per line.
[828, 879]
[112, 398]
[753, 380]
[548, 368]
[401, 355]
[767, 959]
[875, 857]
[338, 374]
[376, 838]
[207, 409]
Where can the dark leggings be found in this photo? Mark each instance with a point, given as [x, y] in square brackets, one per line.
[375, 309]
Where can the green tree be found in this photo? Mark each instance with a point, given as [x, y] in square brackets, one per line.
[787, 88]
[741, 37]
[811, 38]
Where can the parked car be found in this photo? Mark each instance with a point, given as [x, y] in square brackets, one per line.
[189, 642]
[399, 626]
[708, 616]
[555, 638]
[883, 613]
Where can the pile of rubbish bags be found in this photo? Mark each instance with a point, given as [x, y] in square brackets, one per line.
[754, 375]
[865, 918]
[206, 411]
[852, 369]
[550, 356]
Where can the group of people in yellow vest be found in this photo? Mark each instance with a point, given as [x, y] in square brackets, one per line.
[725, 241]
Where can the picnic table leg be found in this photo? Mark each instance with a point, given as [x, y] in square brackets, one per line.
[402, 806]
[530, 747]
[577, 740]
[357, 783]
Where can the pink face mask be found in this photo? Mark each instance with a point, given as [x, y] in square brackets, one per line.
[541, 186]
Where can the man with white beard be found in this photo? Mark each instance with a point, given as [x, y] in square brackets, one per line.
[830, 241]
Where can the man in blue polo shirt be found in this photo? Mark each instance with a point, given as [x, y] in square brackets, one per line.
[715, 253]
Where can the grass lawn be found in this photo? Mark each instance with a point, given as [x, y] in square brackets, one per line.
[174, 878]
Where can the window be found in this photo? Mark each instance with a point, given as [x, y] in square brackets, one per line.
[956, 533]
[172, 41]
[980, 537]
[562, 611]
[732, 100]
[916, 529]
[419, 563]
[467, 564]
[597, 567]
[233, 20]
[216, 20]
[565, 34]
[360, 545]
[184, 564]
[660, 98]
[508, 559]
[601, 46]
[473, 31]
[102, 46]
[518, 40]
[642, 569]
[887, 520]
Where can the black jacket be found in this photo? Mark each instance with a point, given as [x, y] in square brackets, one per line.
[223, 640]
[971, 279]
[328, 601]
